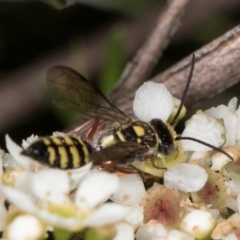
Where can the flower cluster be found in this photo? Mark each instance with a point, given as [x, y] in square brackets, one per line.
[44, 199]
[192, 194]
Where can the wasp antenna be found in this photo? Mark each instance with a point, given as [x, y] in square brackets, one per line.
[185, 91]
[204, 143]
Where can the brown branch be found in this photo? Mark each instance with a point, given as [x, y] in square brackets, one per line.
[216, 69]
[140, 68]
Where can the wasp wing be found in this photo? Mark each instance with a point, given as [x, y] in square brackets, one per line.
[71, 90]
[123, 152]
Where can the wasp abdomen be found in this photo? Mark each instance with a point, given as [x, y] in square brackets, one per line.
[60, 152]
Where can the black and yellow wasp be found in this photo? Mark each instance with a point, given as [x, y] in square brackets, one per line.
[124, 142]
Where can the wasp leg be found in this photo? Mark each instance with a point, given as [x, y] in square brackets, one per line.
[113, 165]
[102, 126]
[97, 126]
[130, 171]
[92, 130]
[126, 169]
[107, 165]
[82, 127]
[93, 125]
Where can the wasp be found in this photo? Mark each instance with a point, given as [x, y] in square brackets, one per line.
[71, 90]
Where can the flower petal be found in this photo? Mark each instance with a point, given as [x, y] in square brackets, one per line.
[219, 160]
[153, 230]
[70, 223]
[205, 128]
[19, 199]
[77, 174]
[178, 235]
[124, 231]
[97, 187]
[8, 161]
[232, 104]
[238, 128]
[198, 223]
[3, 213]
[135, 217]
[25, 227]
[131, 189]
[152, 100]
[26, 143]
[50, 185]
[15, 151]
[183, 177]
[106, 214]
[230, 119]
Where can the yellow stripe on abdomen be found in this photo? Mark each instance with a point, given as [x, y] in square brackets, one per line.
[63, 157]
[52, 155]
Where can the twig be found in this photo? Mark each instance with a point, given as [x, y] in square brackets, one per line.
[216, 69]
[139, 69]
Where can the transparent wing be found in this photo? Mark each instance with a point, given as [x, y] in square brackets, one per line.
[72, 91]
[123, 152]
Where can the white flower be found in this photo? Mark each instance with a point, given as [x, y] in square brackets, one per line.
[198, 223]
[73, 200]
[131, 189]
[135, 217]
[153, 230]
[153, 100]
[231, 122]
[219, 160]
[3, 213]
[7, 160]
[59, 134]
[25, 227]
[178, 235]
[124, 231]
[15, 151]
[231, 236]
[228, 229]
[238, 127]
[198, 157]
[238, 202]
[55, 207]
[131, 192]
[96, 188]
[205, 128]
[26, 143]
[183, 177]
[44, 184]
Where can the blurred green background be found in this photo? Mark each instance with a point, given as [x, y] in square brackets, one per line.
[96, 38]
